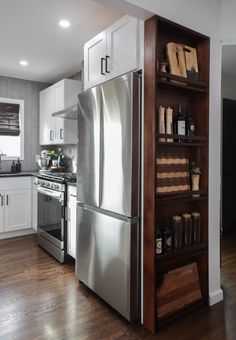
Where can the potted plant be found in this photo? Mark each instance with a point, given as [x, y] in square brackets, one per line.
[195, 172]
[54, 156]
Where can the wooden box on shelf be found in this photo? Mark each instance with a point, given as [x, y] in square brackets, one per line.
[166, 90]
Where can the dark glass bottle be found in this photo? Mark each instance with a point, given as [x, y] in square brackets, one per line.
[13, 167]
[190, 125]
[18, 165]
[159, 242]
[181, 130]
[167, 238]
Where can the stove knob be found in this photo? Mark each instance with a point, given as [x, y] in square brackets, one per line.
[48, 185]
[56, 186]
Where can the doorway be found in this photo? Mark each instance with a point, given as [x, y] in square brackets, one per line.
[228, 213]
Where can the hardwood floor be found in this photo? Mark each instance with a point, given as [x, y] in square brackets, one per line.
[41, 299]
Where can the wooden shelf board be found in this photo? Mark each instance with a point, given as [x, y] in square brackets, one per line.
[184, 253]
[174, 136]
[184, 83]
[163, 322]
[185, 195]
[181, 144]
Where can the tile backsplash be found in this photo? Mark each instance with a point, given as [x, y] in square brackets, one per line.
[70, 152]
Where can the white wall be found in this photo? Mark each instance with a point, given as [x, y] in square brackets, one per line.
[228, 22]
[228, 86]
[204, 17]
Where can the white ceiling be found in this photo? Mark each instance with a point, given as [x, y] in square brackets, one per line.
[229, 60]
[29, 30]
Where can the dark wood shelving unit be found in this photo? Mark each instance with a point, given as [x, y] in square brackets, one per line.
[160, 90]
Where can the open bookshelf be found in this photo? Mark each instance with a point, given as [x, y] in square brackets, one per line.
[168, 90]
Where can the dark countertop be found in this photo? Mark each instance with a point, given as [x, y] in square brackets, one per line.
[18, 174]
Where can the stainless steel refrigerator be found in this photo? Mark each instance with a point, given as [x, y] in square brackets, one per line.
[108, 192]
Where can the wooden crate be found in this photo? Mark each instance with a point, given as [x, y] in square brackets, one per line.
[179, 289]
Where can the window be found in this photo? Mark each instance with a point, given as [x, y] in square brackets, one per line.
[11, 128]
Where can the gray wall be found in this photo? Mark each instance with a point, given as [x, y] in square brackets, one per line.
[228, 86]
[29, 92]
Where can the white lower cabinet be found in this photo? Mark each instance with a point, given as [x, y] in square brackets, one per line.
[17, 209]
[15, 204]
[1, 212]
[34, 205]
[71, 223]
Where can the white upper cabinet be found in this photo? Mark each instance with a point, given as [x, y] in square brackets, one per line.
[113, 52]
[122, 47]
[55, 98]
[94, 60]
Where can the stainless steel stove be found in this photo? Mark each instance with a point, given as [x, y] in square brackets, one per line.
[51, 188]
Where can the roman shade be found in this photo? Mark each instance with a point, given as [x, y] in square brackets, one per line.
[9, 119]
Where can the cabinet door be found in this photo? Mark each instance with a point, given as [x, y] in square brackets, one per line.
[34, 207]
[17, 209]
[122, 58]
[47, 124]
[94, 61]
[71, 226]
[1, 212]
[58, 98]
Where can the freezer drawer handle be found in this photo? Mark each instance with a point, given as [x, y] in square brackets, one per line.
[102, 68]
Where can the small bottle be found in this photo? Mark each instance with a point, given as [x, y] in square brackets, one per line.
[18, 166]
[169, 123]
[161, 122]
[180, 124]
[190, 125]
[159, 247]
[13, 167]
[167, 238]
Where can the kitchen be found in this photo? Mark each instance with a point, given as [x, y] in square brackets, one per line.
[71, 207]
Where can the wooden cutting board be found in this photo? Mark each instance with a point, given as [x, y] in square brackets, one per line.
[179, 288]
[176, 57]
[191, 62]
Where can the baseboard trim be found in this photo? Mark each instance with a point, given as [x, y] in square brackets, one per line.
[216, 297]
[17, 233]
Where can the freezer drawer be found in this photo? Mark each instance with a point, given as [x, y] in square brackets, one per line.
[105, 260]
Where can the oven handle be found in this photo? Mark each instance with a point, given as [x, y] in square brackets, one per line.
[50, 193]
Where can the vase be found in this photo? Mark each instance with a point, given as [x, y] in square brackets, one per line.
[54, 163]
[195, 183]
[60, 160]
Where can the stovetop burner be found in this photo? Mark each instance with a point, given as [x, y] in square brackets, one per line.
[60, 177]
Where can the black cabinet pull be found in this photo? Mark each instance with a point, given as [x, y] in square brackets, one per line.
[51, 135]
[107, 58]
[102, 64]
[61, 133]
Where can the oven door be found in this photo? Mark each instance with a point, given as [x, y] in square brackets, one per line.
[51, 212]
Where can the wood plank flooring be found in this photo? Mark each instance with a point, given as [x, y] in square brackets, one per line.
[42, 299]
